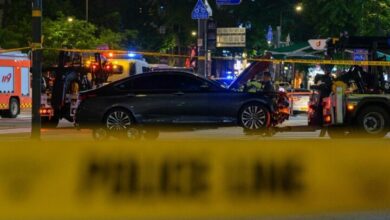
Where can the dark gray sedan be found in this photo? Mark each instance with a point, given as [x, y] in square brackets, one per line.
[173, 98]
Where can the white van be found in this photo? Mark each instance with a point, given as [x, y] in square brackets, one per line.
[130, 67]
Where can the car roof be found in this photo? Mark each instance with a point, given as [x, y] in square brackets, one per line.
[165, 72]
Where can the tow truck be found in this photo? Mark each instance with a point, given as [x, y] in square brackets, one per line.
[62, 83]
[356, 103]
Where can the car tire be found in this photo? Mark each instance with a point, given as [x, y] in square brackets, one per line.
[373, 122]
[118, 120]
[14, 109]
[254, 117]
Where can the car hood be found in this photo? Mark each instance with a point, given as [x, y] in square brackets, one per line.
[250, 72]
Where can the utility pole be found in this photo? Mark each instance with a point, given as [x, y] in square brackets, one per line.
[36, 68]
[202, 12]
[202, 46]
[86, 10]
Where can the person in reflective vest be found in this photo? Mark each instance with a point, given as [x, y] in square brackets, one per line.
[265, 85]
[254, 85]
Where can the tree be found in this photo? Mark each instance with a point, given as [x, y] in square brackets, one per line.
[80, 34]
[375, 18]
[330, 17]
[16, 24]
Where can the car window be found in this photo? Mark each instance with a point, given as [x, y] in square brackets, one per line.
[151, 83]
[188, 83]
[166, 83]
[132, 69]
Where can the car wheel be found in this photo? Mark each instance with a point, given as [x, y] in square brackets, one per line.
[118, 120]
[373, 121]
[14, 109]
[254, 117]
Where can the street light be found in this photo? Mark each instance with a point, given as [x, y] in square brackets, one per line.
[193, 33]
[298, 8]
[70, 19]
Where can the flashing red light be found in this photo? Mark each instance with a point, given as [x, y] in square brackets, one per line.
[108, 67]
[328, 119]
[45, 111]
[94, 66]
[350, 107]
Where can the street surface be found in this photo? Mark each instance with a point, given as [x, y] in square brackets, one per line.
[20, 128]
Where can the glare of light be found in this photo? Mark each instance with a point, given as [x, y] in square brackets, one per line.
[350, 106]
[70, 19]
[110, 54]
[229, 77]
[193, 33]
[298, 8]
[131, 55]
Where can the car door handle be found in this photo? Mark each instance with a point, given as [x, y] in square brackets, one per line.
[178, 93]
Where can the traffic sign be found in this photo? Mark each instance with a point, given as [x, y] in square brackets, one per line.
[228, 2]
[231, 37]
[200, 11]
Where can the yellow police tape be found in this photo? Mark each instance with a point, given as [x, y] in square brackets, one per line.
[197, 179]
[14, 49]
[157, 54]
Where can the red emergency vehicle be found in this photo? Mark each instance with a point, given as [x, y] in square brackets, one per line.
[15, 90]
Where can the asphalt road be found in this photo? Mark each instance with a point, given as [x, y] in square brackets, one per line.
[20, 127]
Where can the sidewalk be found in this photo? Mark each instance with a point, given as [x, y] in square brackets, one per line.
[15, 130]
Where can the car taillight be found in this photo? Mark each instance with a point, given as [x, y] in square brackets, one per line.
[46, 111]
[326, 111]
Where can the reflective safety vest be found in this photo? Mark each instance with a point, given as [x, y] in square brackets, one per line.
[254, 86]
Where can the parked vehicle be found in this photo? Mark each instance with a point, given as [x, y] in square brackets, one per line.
[62, 83]
[14, 83]
[300, 99]
[175, 98]
[130, 67]
[357, 102]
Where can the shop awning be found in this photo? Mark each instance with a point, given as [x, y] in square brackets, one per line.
[298, 51]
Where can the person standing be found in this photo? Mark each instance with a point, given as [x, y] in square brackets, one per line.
[267, 85]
